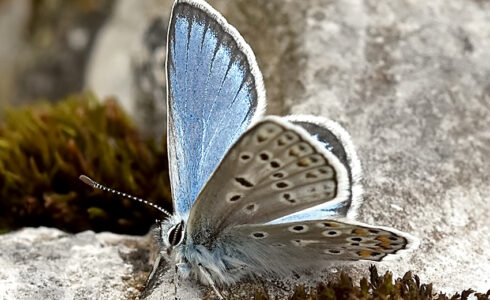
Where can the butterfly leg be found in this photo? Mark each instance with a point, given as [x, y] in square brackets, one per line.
[155, 268]
[176, 281]
[210, 280]
[180, 269]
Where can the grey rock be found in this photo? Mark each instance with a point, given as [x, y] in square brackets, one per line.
[13, 19]
[45, 263]
[128, 59]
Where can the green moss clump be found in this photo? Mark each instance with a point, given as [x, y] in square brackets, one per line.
[374, 287]
[45, 147]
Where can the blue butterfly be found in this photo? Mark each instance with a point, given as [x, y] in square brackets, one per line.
[253, 195]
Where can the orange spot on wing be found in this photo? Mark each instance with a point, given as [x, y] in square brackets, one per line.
[359, 231]
[303, 163]
[383, 238]
[293, 152]
[385, 242]
[364, 253]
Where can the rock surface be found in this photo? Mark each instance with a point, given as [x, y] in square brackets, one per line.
[128, 59]
[45, 263]
[13, 16]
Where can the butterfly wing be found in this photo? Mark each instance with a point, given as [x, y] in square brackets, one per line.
[323, 240]
[336, 140]
[215, 91]
[275, 169]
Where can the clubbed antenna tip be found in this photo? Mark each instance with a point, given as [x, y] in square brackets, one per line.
[87, 180]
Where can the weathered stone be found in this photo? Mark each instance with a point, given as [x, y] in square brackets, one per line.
[13, 19]
[46, 263]
[128, 59]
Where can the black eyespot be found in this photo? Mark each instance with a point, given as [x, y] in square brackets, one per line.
[245, 156]
[298, 228]
[393, 238]
[281, 185]
[357, 239]
[244, 182]
[332, 232]
[251, 207]
[334, 251]
[235, 198]
[278, 175]
[264, 156]
[275, 164]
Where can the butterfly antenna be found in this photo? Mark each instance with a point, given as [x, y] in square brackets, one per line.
[96, 185]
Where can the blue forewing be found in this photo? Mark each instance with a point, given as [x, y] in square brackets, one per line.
[215, 92]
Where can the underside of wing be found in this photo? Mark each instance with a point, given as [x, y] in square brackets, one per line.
[286, 249]
[326, 240]
[215, 91]
[337, 141]
[275, 169]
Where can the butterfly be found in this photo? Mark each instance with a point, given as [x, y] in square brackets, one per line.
[253, 195]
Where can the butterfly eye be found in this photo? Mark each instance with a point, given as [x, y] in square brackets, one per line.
[176, 234]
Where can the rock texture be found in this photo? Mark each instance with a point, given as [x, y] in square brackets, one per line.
[128, 59]
[13, 16]
[46, 263]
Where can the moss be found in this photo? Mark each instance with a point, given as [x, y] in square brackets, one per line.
[45, 147]
[374, 287]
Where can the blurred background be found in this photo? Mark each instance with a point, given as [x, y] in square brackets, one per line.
[54, 48]
[82, 91]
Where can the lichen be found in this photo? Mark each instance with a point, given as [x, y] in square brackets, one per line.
[45, 147]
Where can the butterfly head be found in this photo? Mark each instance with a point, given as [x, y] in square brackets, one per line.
[171, 233]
